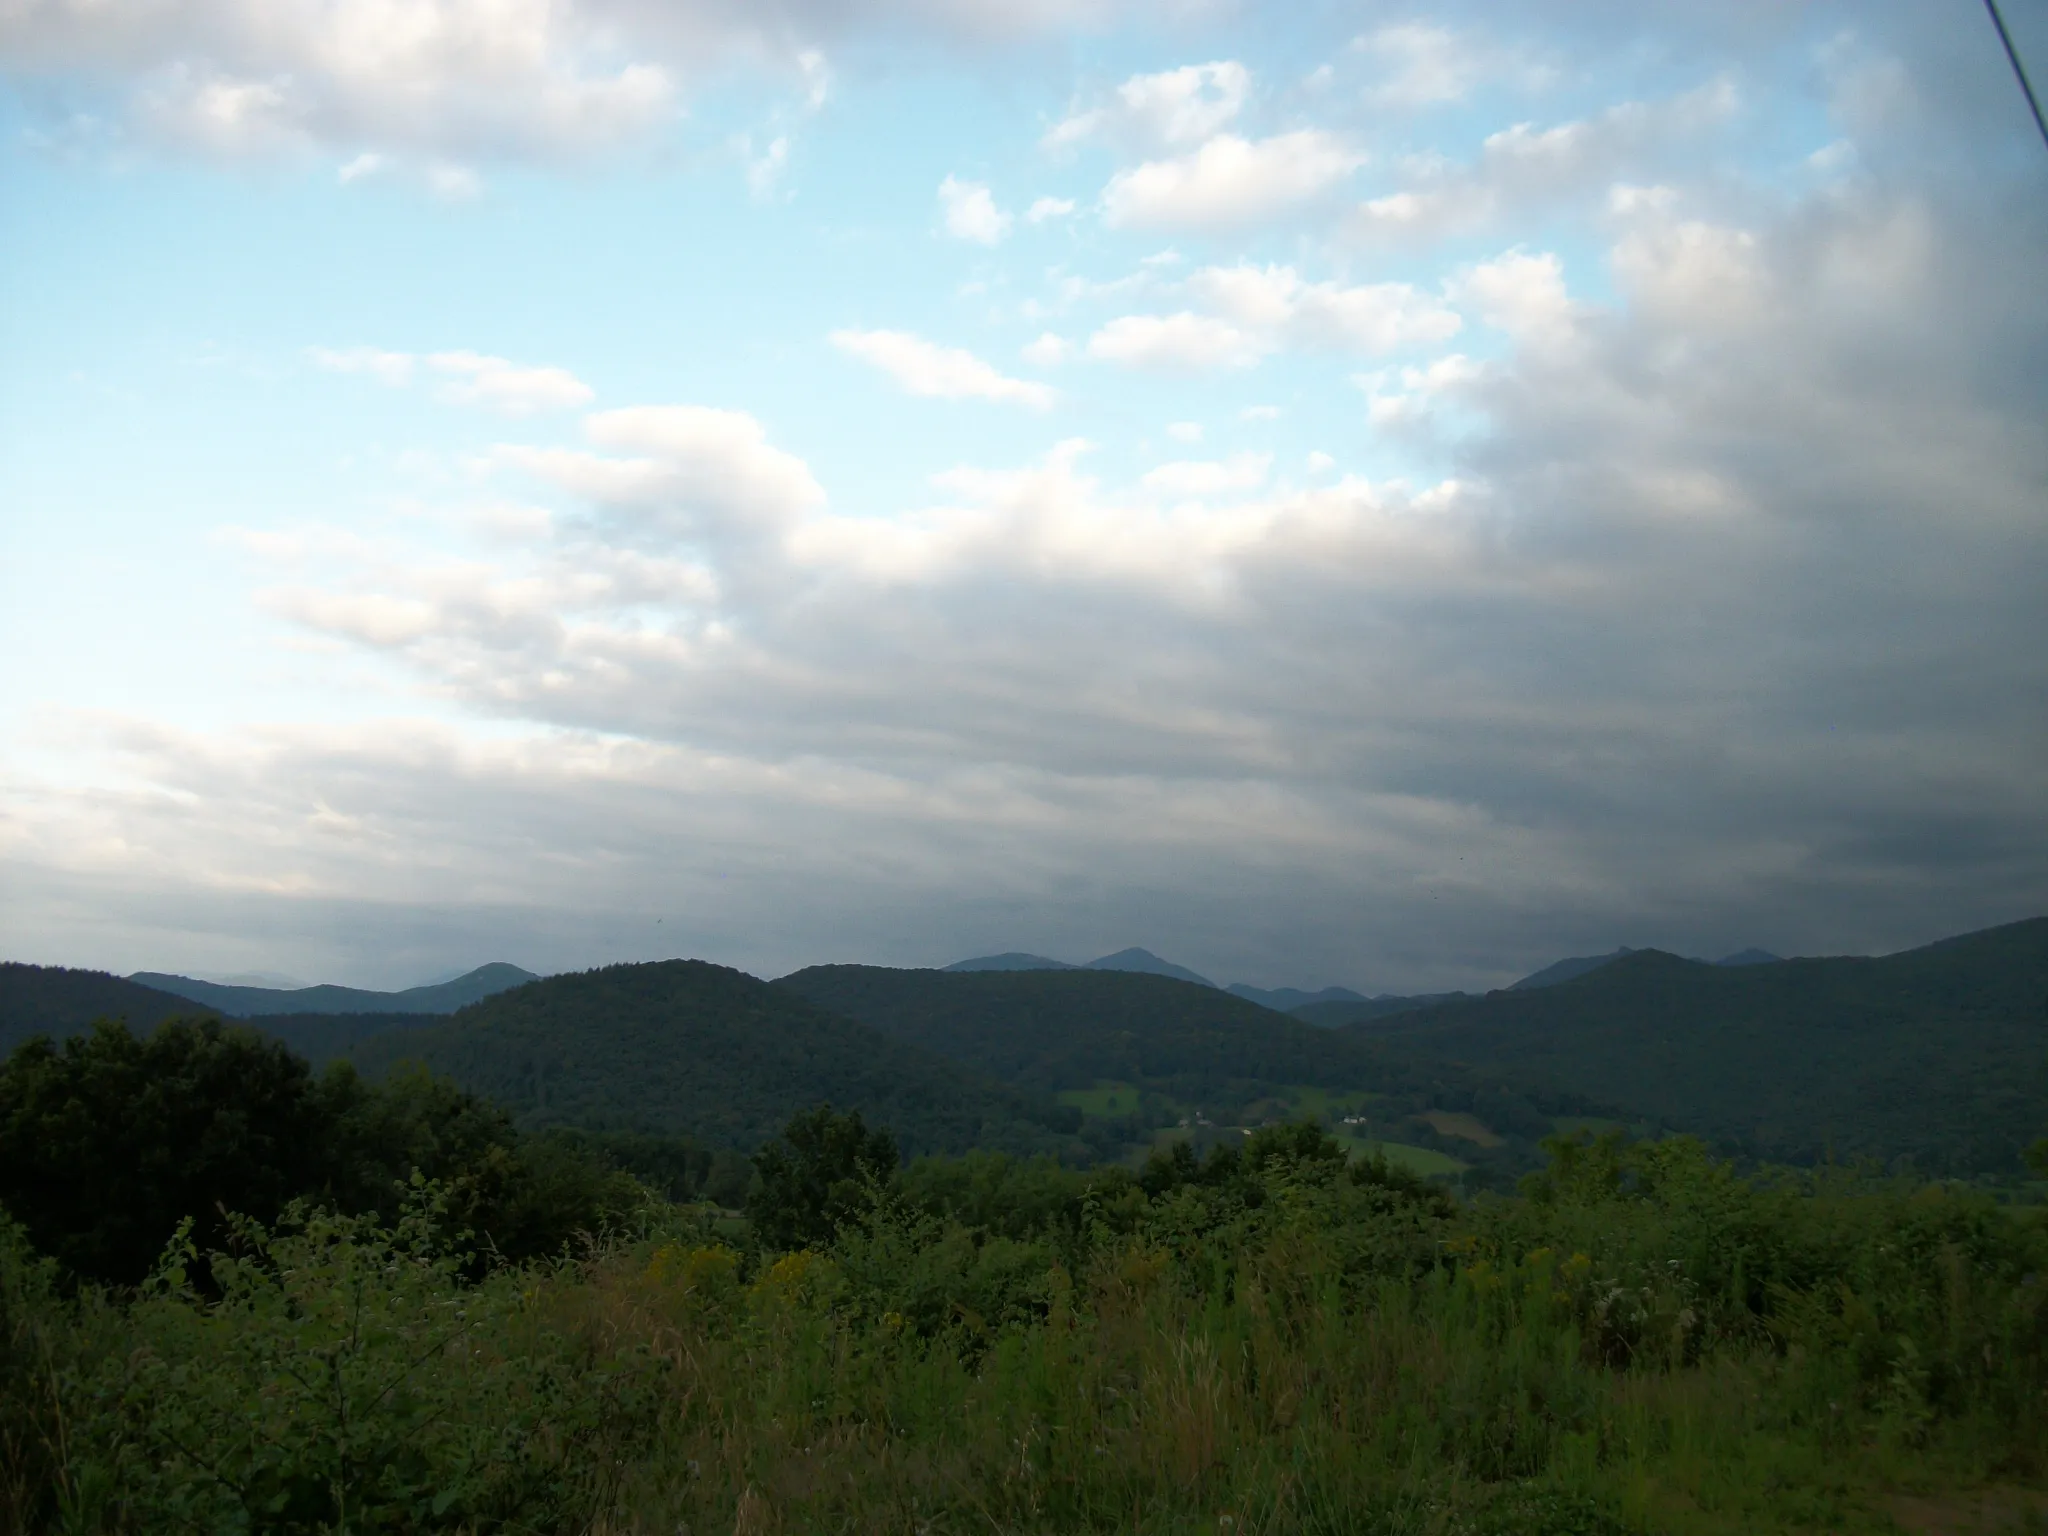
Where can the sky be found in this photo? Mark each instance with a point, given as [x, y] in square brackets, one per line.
[1353, 494]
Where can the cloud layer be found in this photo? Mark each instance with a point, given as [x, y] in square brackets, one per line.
[1703, 611]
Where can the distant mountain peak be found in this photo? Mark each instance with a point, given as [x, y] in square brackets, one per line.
[1750, 956]
[1565, 970]
[1011, 960]
[256, 1002]
[275, 981]
[1144, 961]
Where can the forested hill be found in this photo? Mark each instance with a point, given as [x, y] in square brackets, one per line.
[1940, 1054]
[685, 1047]
[51, 1000]
[1047, 1030]
[56, 1001]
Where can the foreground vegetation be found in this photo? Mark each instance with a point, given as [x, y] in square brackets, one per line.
[1272, 1339]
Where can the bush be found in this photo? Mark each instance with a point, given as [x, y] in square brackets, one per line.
[821, 1173]
[335, 1375]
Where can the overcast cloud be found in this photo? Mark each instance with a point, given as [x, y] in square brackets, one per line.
[1679, 579]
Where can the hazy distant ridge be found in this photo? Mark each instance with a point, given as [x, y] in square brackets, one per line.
[258, 1002]
[1142, 961]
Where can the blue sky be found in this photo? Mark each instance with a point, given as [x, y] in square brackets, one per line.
[1360, 494]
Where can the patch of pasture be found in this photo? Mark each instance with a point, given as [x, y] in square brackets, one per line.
[1463, 1127]
[1104, 1101]
[1426, 1161]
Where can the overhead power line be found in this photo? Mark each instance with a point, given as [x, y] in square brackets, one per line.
[2018, 68]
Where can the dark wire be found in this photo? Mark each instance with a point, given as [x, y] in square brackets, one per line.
[2018, 68]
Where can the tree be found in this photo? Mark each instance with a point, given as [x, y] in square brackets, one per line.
[109, 1141]
[818, 1176]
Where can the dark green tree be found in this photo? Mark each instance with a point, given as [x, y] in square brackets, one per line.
[110, 1140]
[817, 1176]
[107, 1142]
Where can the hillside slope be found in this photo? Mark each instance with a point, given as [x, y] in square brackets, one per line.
[255, 1002]
[1050, 1030]
[685, 1047]
[57, 1001]
[1938, 1054]
[1341, 1011]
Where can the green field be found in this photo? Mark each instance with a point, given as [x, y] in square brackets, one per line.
[1103, 1101]
[1462, 1126]
[1426, 1161]
[1324, 1103]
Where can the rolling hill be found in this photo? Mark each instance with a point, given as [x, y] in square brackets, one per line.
[1046, 1031]
[1143, 962]
[1938, 1054]
[1288, 999]
[1334, 1013]
[57, 1001]
[1012, 960]
[51, 1000]
[1559, 971]
[685, 1047]
[255, 1002]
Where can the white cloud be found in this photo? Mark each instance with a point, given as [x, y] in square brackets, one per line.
[1259, 413]
[764, 169]
[817, 78]
[1374, 317]
[362, 167]
[506, 386]
[1196, 479]
[1048, 350]
[1260, 310]
[1162, 111]
[1320, 463]
[448, 82]
[1184, 431]
[717, 457]
[1520, 293]
[510, 388]
[1229, 182]
[1175, 343]
[1423, 65]
[971, 212]
[1045, 208]
[455, 183]
[684, 476]
[1409, 397]
[442, 80]
[946, 373]
[1524, 171]
[392, 368]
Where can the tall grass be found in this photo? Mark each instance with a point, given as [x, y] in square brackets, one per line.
[1645, 1342]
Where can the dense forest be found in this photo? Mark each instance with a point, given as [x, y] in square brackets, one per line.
[683, 1047]
[1935, 1059]
[239, 1294]
[1938, 1055]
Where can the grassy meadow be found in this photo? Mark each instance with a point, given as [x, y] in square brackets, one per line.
[1272, 1339]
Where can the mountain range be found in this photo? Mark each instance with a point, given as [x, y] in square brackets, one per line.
[245, 1002]
[1332, 1005]
[1142, 961]
[1938, 1055]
